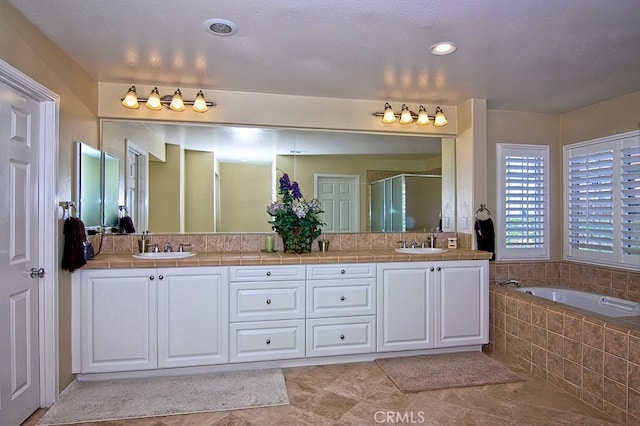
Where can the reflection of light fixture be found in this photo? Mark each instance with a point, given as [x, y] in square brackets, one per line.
[174, 102]
[443, 48]
[407, 116]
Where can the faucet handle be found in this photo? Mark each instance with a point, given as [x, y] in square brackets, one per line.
[152, 248]
[403, 244]
[181, 246]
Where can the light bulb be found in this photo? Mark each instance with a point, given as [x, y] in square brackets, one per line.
[200, 104]
[423, 117]
[131, 98]
[440, 119]
[154, 100]
[177, 104]
[405, 115]
[389, 116]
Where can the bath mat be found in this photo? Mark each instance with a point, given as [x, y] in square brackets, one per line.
[442, 371]
[162, 396]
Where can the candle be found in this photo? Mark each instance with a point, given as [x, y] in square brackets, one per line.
[268, 243]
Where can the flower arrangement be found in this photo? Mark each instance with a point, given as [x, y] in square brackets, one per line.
[295, 219]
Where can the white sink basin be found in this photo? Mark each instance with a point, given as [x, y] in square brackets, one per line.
[421, 250]
[165, 255]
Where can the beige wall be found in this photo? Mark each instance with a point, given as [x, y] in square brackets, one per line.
[165, 187]
[199, 191]
[244, 193]
[607, 118]
[532, 129]
[24, 47]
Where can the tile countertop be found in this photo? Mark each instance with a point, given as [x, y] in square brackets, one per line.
[237, 258]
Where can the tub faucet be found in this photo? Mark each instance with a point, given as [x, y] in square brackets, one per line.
[507, 282]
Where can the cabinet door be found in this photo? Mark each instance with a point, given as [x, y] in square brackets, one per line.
[119, 320]
[193, 312]
[405, 298]
[462, 311]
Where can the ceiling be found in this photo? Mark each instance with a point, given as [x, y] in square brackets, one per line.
[528, 55]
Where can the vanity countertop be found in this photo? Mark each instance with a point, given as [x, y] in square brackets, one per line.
[237, 258]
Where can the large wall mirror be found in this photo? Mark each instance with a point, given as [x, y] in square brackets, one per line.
[181, 177]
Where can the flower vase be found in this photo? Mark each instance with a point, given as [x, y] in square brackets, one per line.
[297, 239]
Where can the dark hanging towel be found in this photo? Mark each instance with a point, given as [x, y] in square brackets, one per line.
[125, 223]
[74, 238]
[486, 237]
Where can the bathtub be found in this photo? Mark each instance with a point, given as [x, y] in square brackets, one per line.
[603, 305]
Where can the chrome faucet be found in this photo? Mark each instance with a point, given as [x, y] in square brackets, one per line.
[168, 248]
[181, 246]
[511, 281]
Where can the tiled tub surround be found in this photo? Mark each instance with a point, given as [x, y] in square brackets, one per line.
[248, 242]
[593, 357]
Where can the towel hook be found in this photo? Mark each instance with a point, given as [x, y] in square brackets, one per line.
[69, 209]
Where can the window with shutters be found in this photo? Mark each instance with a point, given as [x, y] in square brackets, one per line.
[602, 201]
[523, 202]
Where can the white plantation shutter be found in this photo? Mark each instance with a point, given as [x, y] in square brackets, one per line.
[630, 196]
[602, 201]
[522, 193]
[591, 201]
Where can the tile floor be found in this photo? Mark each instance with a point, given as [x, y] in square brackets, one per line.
[361, 394]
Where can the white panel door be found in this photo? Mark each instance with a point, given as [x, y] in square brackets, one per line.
[340, 200]
[19, 168]
[462, 311]
[193, 317]
[119, 320]
[405, 300]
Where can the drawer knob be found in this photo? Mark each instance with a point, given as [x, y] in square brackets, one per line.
[268, 341]
[342, 298]
[268, 301]
[160, 277]
[439, 268]
[152, 277]
[342, 337]
[431, 269]
[343, 272]
[268, 273]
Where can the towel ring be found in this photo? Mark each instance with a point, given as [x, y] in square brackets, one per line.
[69, 209]
[483, 212]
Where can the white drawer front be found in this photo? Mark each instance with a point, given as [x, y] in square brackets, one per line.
[266, 301]
[333, 298]
[347, 270]
[266, 340]
[341, 336]
[266, 273]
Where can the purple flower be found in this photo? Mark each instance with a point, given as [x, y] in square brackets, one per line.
[285, 183]
[296, 191]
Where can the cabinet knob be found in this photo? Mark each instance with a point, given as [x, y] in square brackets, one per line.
[268, 301]
[343, 272]
[342, 337]
[342, 298]
[160, 277]
[431, 269]
[151, 277]
[439, 268]
[268, 341]
[268, 273]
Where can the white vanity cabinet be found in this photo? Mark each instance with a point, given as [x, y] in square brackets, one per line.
[267, 309]
[341, 308]
[427, 305]
[141, 319]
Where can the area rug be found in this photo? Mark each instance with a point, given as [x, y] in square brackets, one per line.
[162, 396]
[443, 371]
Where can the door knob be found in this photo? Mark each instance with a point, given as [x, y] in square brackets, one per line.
[36, 273]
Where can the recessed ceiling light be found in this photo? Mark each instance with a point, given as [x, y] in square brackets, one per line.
[443, 48]
[220, 27]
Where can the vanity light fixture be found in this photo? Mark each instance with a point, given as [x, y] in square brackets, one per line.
[174, 102]
[406, 116]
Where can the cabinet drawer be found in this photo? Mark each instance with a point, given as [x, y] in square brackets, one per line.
[333, 298]
[266, 340]
[266, 273]
[346, 270]
[266, 301]
[341, 336]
